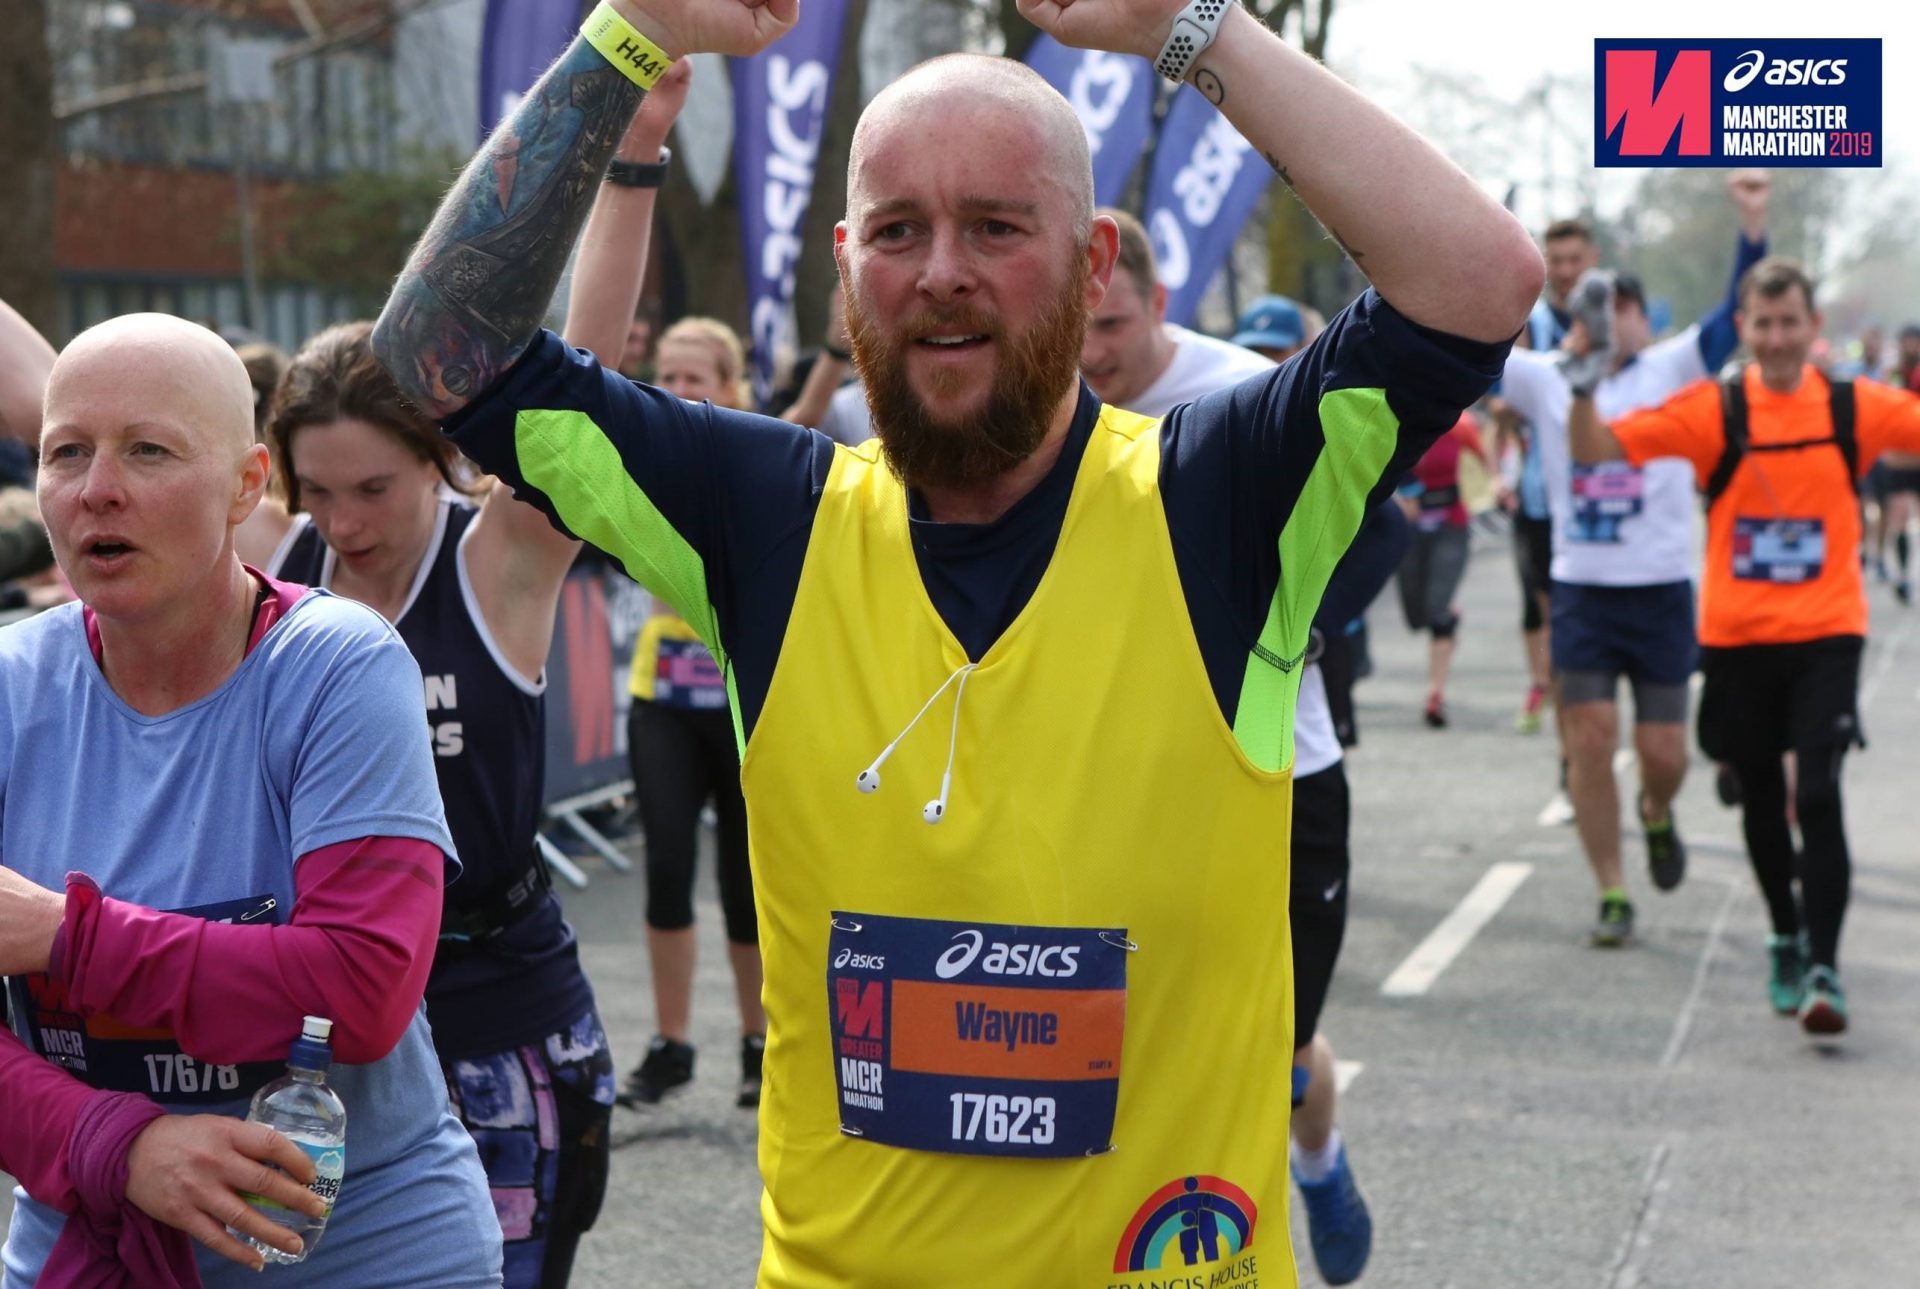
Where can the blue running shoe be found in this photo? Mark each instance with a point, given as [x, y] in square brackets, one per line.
[1338, 1224]
[1786, 973]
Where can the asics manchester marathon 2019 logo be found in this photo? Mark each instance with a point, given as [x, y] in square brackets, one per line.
[1736, 102]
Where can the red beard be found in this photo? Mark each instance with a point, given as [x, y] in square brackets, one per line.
[927, 447]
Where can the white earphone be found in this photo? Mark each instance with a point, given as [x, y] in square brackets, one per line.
[868, 780]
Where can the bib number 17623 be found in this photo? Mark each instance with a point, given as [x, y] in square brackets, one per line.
[1013, 1120]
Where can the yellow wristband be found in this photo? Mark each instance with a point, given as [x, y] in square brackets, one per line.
[638, 58]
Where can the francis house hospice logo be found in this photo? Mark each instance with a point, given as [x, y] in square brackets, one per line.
[1736, 102]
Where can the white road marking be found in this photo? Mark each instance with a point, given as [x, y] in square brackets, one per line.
[1629, 1264]
[1344, 1073]
[1683, 1023]
[1437, 952]
[1627, 1273]
[1623, 761]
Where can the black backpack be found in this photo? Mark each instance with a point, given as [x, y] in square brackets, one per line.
[1733, 416]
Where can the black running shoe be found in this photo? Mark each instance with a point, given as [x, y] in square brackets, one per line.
[669, 1065]
[1614, 927]
[753, 1052]
[1666, 853]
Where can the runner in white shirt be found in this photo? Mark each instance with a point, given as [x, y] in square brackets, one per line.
[1133, 358]
[1622, 569]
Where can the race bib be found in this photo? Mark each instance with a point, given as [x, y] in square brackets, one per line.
[1604, 497]
[686, 675]
[971, 1038]
[1784, 551]
[113, 1056]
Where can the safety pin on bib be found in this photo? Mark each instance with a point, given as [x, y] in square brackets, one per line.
[847, 924]
[1118, 941]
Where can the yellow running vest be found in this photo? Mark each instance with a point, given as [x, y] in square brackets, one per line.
[1095, 786]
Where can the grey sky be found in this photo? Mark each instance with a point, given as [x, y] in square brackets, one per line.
[1398, 49]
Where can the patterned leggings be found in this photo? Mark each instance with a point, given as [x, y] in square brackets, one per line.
[539, 1115]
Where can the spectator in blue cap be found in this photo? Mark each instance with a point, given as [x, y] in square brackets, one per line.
[1272, 325]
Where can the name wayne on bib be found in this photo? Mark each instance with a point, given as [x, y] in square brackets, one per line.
[976, 1038]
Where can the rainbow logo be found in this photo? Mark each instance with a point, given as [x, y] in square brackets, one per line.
[1187, 1223]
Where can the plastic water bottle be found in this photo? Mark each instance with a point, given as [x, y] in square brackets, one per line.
[301, 1107]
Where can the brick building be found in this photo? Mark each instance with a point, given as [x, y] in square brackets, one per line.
[345, 105]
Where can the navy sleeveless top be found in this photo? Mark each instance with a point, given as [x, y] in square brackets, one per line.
[489, 750]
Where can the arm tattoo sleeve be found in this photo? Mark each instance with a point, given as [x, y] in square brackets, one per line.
[478, 284]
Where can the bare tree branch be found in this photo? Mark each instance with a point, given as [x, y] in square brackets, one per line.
[368, 28]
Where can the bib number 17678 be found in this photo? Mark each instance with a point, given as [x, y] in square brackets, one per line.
[178, 1073]
[1013, 1120]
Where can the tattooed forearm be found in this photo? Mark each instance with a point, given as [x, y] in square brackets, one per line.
[478, 284]
[1358, 257]
[1211, 85]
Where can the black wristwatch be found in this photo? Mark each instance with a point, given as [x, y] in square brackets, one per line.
[639, 174]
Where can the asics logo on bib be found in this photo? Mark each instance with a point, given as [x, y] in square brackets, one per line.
[1784, 71]
[1002, 959]
[860, 961]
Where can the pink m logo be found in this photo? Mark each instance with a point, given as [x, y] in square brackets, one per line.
[1650, 118]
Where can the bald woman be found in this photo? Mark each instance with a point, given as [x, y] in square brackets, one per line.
[218, 815]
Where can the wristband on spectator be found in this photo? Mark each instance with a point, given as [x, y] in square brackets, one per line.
[639, 59]
[836, 353]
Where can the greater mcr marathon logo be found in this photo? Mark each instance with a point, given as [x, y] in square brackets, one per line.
[1729, 102]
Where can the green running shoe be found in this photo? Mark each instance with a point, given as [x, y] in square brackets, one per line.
[1824, 1010]
[1615, 925]
[1787, 974]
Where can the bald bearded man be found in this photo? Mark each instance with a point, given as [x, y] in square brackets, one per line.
[230, 779]
[1034, 1030]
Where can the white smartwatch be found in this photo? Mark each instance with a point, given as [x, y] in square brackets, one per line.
[1196, 28]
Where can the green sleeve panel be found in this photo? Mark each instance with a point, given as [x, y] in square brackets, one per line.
[1360, 435]
[566, 456]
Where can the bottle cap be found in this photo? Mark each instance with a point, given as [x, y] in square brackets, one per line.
[310, 1050]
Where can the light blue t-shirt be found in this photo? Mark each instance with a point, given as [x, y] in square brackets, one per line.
[319, 737]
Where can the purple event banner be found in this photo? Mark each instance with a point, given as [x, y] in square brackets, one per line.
[519, 42]
[1113, 96]
[1206, 181]
[780, 101]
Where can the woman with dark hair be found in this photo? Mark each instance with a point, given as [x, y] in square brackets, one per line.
[383, 510]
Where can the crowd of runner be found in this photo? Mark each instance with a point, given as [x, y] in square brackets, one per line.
[1006, 490]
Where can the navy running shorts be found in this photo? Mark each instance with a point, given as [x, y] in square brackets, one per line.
[1644, 633]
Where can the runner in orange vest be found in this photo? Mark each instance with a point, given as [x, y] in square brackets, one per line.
[1778, 451]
